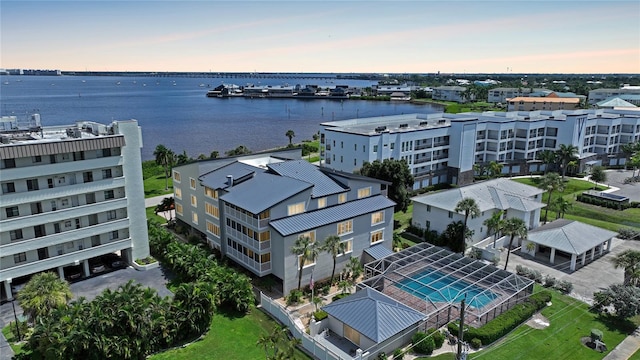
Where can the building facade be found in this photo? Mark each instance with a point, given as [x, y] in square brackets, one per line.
[70, 194]
[444, 147]
[451, 93]
[542, 103]
[631, 95]
[436, 211]
[253, 209]
[501, 94]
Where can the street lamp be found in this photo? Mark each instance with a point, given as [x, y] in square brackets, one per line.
[16, 317]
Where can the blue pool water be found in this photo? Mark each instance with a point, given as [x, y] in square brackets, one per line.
[439, 287]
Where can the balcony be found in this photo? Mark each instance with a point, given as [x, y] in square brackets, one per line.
[64, 260]
[63, 237]
[260, 269]
[60, 168]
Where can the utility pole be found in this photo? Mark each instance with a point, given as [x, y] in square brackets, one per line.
[461, 330]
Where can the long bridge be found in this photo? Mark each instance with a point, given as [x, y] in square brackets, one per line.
[245, 75]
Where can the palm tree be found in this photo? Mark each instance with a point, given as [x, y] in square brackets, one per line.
[550, 182]
[629, 260]
[290, 134]
[165, 206]
[334, 246]
[562, 205]
[469, 207]
[547, 157]
[495, 169]
[306, 251]
[494, 225]
[566, 153]
[166, 159]
[514, 227]
[42, 294]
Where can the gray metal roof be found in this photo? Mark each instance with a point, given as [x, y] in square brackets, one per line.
[615, 101]
[379, 251]
[373, 314]
[333, 214]
[492, 194]
[572, 237]
[263, 191]
[217, 178]
[305, 171]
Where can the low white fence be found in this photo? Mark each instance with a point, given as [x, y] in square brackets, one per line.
[318, 350]
[489, 252]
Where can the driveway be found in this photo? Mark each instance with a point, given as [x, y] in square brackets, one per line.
[615, 178]
[90, 288]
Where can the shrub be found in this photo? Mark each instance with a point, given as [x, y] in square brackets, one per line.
[398, 354]
[438, 338]
[596, 335]
[564, 286]
[320, 315]
[422, 343]
[549, 281]
[475, 343]
[339, 296]
[507, 321]
[627, 234]
[22, 326]
[382, 356]
[294, 297]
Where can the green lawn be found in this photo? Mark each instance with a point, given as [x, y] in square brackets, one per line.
[155, 186]
[403, 219]
[570, 320]
[231, 338]
[8, 334]
[605, 218]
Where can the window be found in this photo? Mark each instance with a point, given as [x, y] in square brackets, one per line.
[108, 194]
[39, 231]
[36, 159]
[213, 229]
[15, 234]
[377, 236]
[348, 246]
[375, 148]
[428, 208]
[265, 215]
[8, 188]
[179, 208]
[428, 224]
[114, 235]
[87, 176]
[32, 184]
[95, 240]
[210, 193]
[364, 192]
[342, 198]
[450, 215]
[212, 210]
[192, 183]
[307, 263]
[265, 236]
[90, 198]
[345, 227]
[194, 217]
[322, 202]
[295, 209]
[111, 214]
[392, 146]
[194, 201]
[12, 211]
[19, 258]
[264, 258]
[9, 163]
[106, 152]
[377, 217]
[178, 192]
[176, 176]
[311, 235]
[106, 174]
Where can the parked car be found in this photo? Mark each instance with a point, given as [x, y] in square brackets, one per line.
[113, 261]
[97, 268]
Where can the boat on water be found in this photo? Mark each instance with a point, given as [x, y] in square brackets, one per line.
[225, 90]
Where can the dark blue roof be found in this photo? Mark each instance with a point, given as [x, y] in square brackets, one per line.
[373, 314]
[263, 191]
[305, 171]
[333, 214]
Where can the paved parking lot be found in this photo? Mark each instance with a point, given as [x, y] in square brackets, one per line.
[616, 178]
[90, 288]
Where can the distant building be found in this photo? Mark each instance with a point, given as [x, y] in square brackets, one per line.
[597, 95]
[544, 103]
[450, 93]
[442, 148]
[253, 208]
[70, 194]
[500, 95]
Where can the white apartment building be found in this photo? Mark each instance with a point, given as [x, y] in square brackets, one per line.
[444, 147]
[501, 94]
[631, 94]
[450, 93]
[70, 194]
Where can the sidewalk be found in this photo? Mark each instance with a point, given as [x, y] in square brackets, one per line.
[626, 348]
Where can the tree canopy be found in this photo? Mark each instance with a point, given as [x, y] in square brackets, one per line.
[396, 172]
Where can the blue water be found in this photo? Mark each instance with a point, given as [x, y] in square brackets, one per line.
[175, 111]
[439, 287]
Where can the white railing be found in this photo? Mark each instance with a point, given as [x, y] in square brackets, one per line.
[314, 347]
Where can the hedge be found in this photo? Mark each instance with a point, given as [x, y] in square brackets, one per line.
[507, 321]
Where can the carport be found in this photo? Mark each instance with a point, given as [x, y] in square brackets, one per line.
[569, 237]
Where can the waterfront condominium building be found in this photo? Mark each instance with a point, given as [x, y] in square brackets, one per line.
[444, 147]
[70, 194]
[253, 208]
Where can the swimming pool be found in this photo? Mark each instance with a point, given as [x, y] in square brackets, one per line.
[440, 287]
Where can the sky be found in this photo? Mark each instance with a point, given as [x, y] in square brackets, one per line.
[370, 36]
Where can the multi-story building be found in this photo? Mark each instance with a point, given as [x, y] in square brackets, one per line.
[451, 93]
[631, 94]
[542, 103]
[70, 194]
[444, 147]
[253, 209]
[500, 95]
